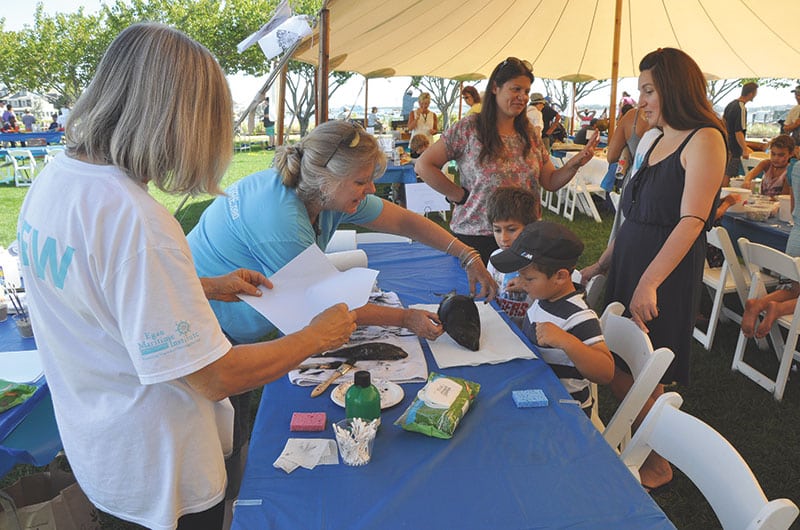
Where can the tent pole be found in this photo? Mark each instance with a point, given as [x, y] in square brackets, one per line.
[612, 113]
[572, 119]
[324, 57]
[366, 99]
[281, 117]
[460, 99]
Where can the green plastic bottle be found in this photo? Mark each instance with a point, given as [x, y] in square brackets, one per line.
[362, 399]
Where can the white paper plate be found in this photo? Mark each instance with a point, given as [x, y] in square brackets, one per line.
[391, 393]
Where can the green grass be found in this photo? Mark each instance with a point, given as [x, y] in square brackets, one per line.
[765, 432]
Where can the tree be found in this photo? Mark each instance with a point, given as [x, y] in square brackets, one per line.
[561, 91]
[719, 90]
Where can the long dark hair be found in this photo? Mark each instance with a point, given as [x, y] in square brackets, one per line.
[492, 144]
[681, 89]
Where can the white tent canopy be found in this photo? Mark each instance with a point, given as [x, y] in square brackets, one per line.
[465, 39]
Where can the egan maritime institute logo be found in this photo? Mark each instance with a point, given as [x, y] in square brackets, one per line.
[159, 343]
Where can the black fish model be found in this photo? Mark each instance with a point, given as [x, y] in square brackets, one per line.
[460, 319]
[368, 351]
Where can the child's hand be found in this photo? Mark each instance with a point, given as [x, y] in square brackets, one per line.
[514, 285]
[549, 335]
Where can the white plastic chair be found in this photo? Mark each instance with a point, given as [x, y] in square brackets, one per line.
[579, 193]
[380, 237]
[785, 349]
[23, 165]
[731, 277]
[555, 199]
[711, 463]
[629, 342]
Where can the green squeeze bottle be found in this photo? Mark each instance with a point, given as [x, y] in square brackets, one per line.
[362, 399]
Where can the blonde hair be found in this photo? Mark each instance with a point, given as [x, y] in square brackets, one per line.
[423, 97]
[330, 152]
[154, 110]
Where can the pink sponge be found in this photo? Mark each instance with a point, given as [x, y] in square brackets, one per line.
[307, 421]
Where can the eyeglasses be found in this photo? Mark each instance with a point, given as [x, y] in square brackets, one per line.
[352, 140]
[521, 62]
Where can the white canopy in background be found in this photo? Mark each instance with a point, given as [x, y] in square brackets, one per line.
[465, 39]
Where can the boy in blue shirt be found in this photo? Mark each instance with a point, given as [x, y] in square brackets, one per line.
[564, 329]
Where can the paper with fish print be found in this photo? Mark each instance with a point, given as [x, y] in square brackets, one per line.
[499, 343]
[308, 285]
[411, 369]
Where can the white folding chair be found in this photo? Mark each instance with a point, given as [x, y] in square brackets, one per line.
[23, 164]
[785, 349]
[555, 199]
[579, 193]
[711, 463]
[730, 278]
[380, 237]
[629, 342]
[749, 163]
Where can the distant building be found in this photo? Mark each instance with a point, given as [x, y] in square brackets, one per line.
[38, 105]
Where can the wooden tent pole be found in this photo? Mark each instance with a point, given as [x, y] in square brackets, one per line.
[323, 68]
[281, 117]
[612, 112]
[460, 99]
[366, 99]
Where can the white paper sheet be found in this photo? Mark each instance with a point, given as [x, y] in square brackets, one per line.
[498, 342]
[341, 241]
[348, 259]
[421, 198]
[20, 366]
[308, 285]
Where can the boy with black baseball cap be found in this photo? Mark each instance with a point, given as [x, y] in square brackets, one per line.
[564, 329]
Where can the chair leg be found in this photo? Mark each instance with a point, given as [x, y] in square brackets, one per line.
[707, 338]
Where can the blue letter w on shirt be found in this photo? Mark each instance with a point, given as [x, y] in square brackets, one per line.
[47, 253]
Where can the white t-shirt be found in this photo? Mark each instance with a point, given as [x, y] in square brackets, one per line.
[535, 117]
[120, 317]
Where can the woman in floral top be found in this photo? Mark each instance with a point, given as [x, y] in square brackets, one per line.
[494, 148]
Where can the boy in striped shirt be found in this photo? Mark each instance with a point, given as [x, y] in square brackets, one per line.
[565, 330]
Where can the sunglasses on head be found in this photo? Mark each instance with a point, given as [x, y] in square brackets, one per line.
[519, 62]
[352, 139]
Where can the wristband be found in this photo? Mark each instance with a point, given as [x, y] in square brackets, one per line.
[463, 199]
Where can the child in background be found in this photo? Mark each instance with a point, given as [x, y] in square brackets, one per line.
[774, 180]
[509, 210]
[418, 145]
[561, 325]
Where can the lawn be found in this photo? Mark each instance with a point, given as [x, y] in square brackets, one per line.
[767, 433]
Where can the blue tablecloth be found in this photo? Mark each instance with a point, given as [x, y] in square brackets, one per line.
[398, 174]
[504, 468]
[51, 137]
[772, 233]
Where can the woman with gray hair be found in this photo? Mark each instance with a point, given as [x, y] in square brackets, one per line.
[136, 362]
[271, 216]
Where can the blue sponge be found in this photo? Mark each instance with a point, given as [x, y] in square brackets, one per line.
[529, 398]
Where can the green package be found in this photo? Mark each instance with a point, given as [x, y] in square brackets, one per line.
[12, 394]
[439, 422]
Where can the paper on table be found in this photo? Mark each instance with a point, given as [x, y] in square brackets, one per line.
[308, 285]
[20, 366]
[498, 342]
[342, 240]
[307, 453]
[348, 259]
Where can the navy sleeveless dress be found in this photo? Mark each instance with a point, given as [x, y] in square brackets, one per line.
[651, 203]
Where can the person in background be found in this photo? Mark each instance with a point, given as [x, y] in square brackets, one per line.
[496, 147]
[62, 117]
[269, 125]
[553, 130]
[658, 254]
[625, 103]
[582, 136]
[472, 98]
[564, 329]
[408, 104]
[773, 171]
[535, 113]
[510, 210]
[423, 120]
[141, 405]
[792, 124]
[761, 313]
[8, 113]
[735, 118]
[418, 145]
[374, 121]
[28, 120]
[53, 122]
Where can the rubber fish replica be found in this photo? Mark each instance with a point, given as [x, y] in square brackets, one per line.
[460, 319]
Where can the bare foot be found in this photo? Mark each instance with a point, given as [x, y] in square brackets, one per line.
[752, 308]
[771, 314]
[655, 471]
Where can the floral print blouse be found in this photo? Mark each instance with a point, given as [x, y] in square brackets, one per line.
[481, 178]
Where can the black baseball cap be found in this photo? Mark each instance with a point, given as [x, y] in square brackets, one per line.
[541, 242]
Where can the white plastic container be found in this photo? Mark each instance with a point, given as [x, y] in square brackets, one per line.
[785, 212]
[744, 193]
